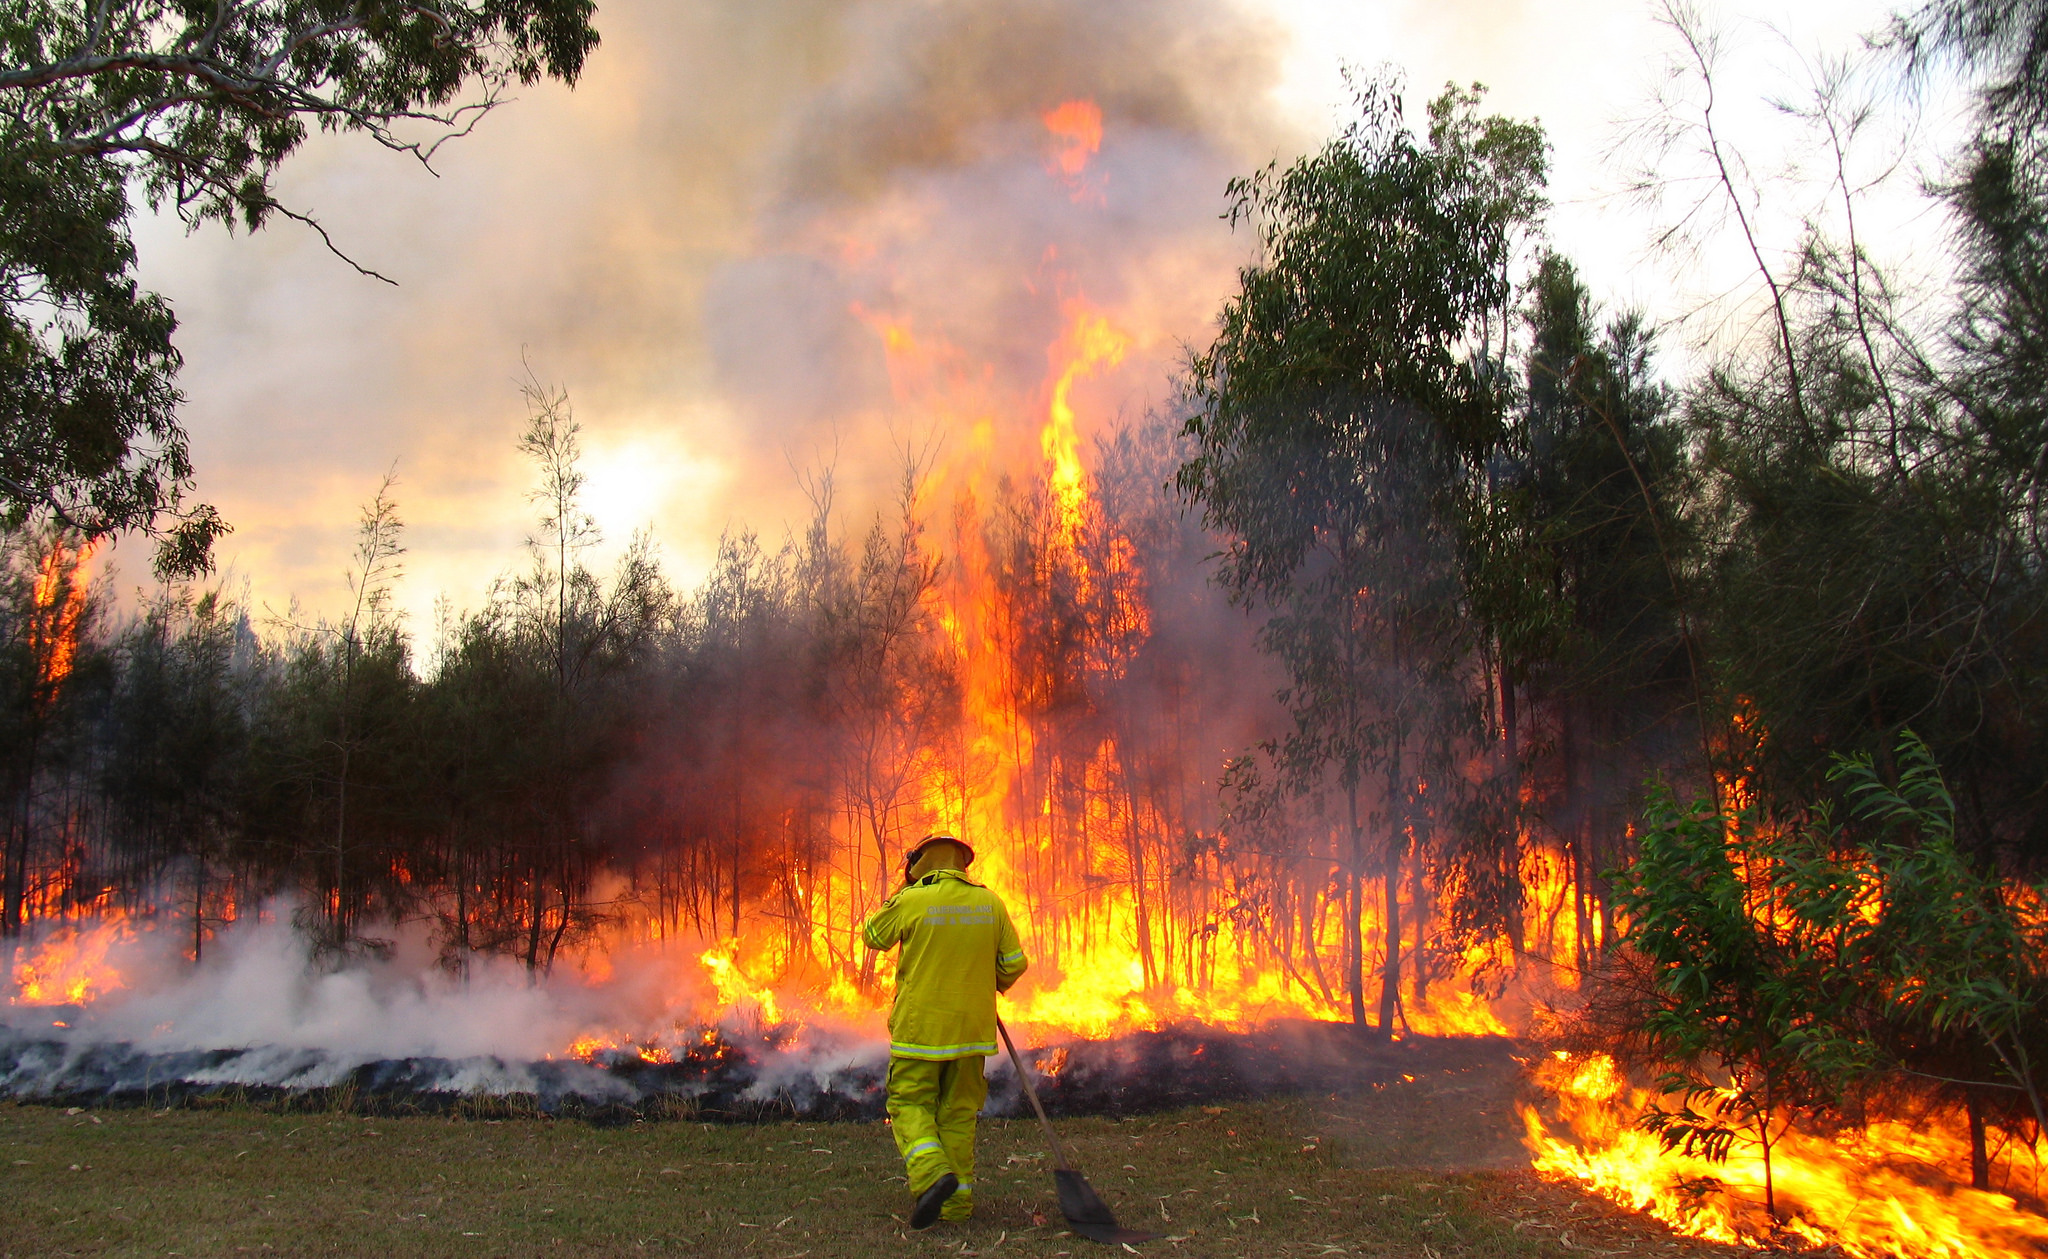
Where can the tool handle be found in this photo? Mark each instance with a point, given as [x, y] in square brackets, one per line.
[1059, 1152]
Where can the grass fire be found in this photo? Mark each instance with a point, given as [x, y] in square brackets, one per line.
[881, 528]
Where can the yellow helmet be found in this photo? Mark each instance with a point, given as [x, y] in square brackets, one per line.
[918, 850]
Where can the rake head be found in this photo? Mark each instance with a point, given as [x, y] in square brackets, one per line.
[1089, 1215]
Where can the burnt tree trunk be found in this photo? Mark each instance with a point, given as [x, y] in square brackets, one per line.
[537, 910]
[1390, 882]
[198, 911]
[14, 894]
[1418, 909]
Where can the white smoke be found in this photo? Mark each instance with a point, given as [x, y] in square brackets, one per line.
[263, 1010]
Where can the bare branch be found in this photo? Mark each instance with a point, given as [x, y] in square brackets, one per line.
[327, 240]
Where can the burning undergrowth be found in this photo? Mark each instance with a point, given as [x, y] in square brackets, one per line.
[113, 1014]
[728, 1075]
[1884, 1188]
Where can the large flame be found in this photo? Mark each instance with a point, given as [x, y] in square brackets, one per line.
[71, 965]
[1090, 342]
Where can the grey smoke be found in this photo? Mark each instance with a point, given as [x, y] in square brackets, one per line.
[670, 242]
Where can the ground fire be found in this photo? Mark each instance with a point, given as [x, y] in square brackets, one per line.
[1883, 1190]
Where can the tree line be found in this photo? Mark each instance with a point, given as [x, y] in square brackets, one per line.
[599, 753]
[1528, 593]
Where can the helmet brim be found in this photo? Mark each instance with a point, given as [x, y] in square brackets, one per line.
[910, 858]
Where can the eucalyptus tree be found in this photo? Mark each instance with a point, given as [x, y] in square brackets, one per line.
[193, 104]
[1343, 420]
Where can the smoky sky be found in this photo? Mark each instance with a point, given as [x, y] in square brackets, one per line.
[706, 243]
[712, 239]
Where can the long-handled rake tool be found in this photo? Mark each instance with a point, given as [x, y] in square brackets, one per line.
[1083, 1207]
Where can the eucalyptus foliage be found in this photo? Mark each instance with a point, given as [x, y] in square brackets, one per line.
[193, 105]
[1341, 417]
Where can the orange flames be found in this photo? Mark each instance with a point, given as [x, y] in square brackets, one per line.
[58, 607]
[1104, 960]
[1875, 1194]
[1076, 128]
[1090, 342]
[70, 966]
[1054, 791]
[736, 992]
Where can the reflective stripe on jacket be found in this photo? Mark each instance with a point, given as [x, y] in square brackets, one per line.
[959, 949]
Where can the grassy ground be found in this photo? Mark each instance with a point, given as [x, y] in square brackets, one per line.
[1419, 1169]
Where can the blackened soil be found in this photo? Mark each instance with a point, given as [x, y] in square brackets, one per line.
[1190, 1066]
[773, 1077]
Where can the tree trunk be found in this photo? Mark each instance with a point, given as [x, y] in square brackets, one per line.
[562, 927]
[1582, 921]
[14, 876]
[14, 897]
[198, 913]
[1512, 857]
[1390, 880]
[1311, 946]
[461, 901]
[340, 924]
[1763, 1131]
[1418, 907]
[1390, 976]
[537, 910]
[1134, 847]
[1354, 908]
[1980, 1161]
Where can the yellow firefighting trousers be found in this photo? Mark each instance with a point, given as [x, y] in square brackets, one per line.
[932, 1106]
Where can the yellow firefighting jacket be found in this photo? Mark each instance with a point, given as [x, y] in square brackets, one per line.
[959, 949]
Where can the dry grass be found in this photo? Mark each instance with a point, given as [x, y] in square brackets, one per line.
[1410, 1170]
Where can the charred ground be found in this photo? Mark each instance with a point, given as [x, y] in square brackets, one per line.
[738, 1078]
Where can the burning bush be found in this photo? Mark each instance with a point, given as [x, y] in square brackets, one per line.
[1828, 999]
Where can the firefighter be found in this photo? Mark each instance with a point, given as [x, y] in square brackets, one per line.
[959, 950]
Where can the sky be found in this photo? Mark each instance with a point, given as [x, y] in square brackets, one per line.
[758, 241]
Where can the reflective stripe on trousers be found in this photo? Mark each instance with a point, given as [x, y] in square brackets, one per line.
[932, 1106]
